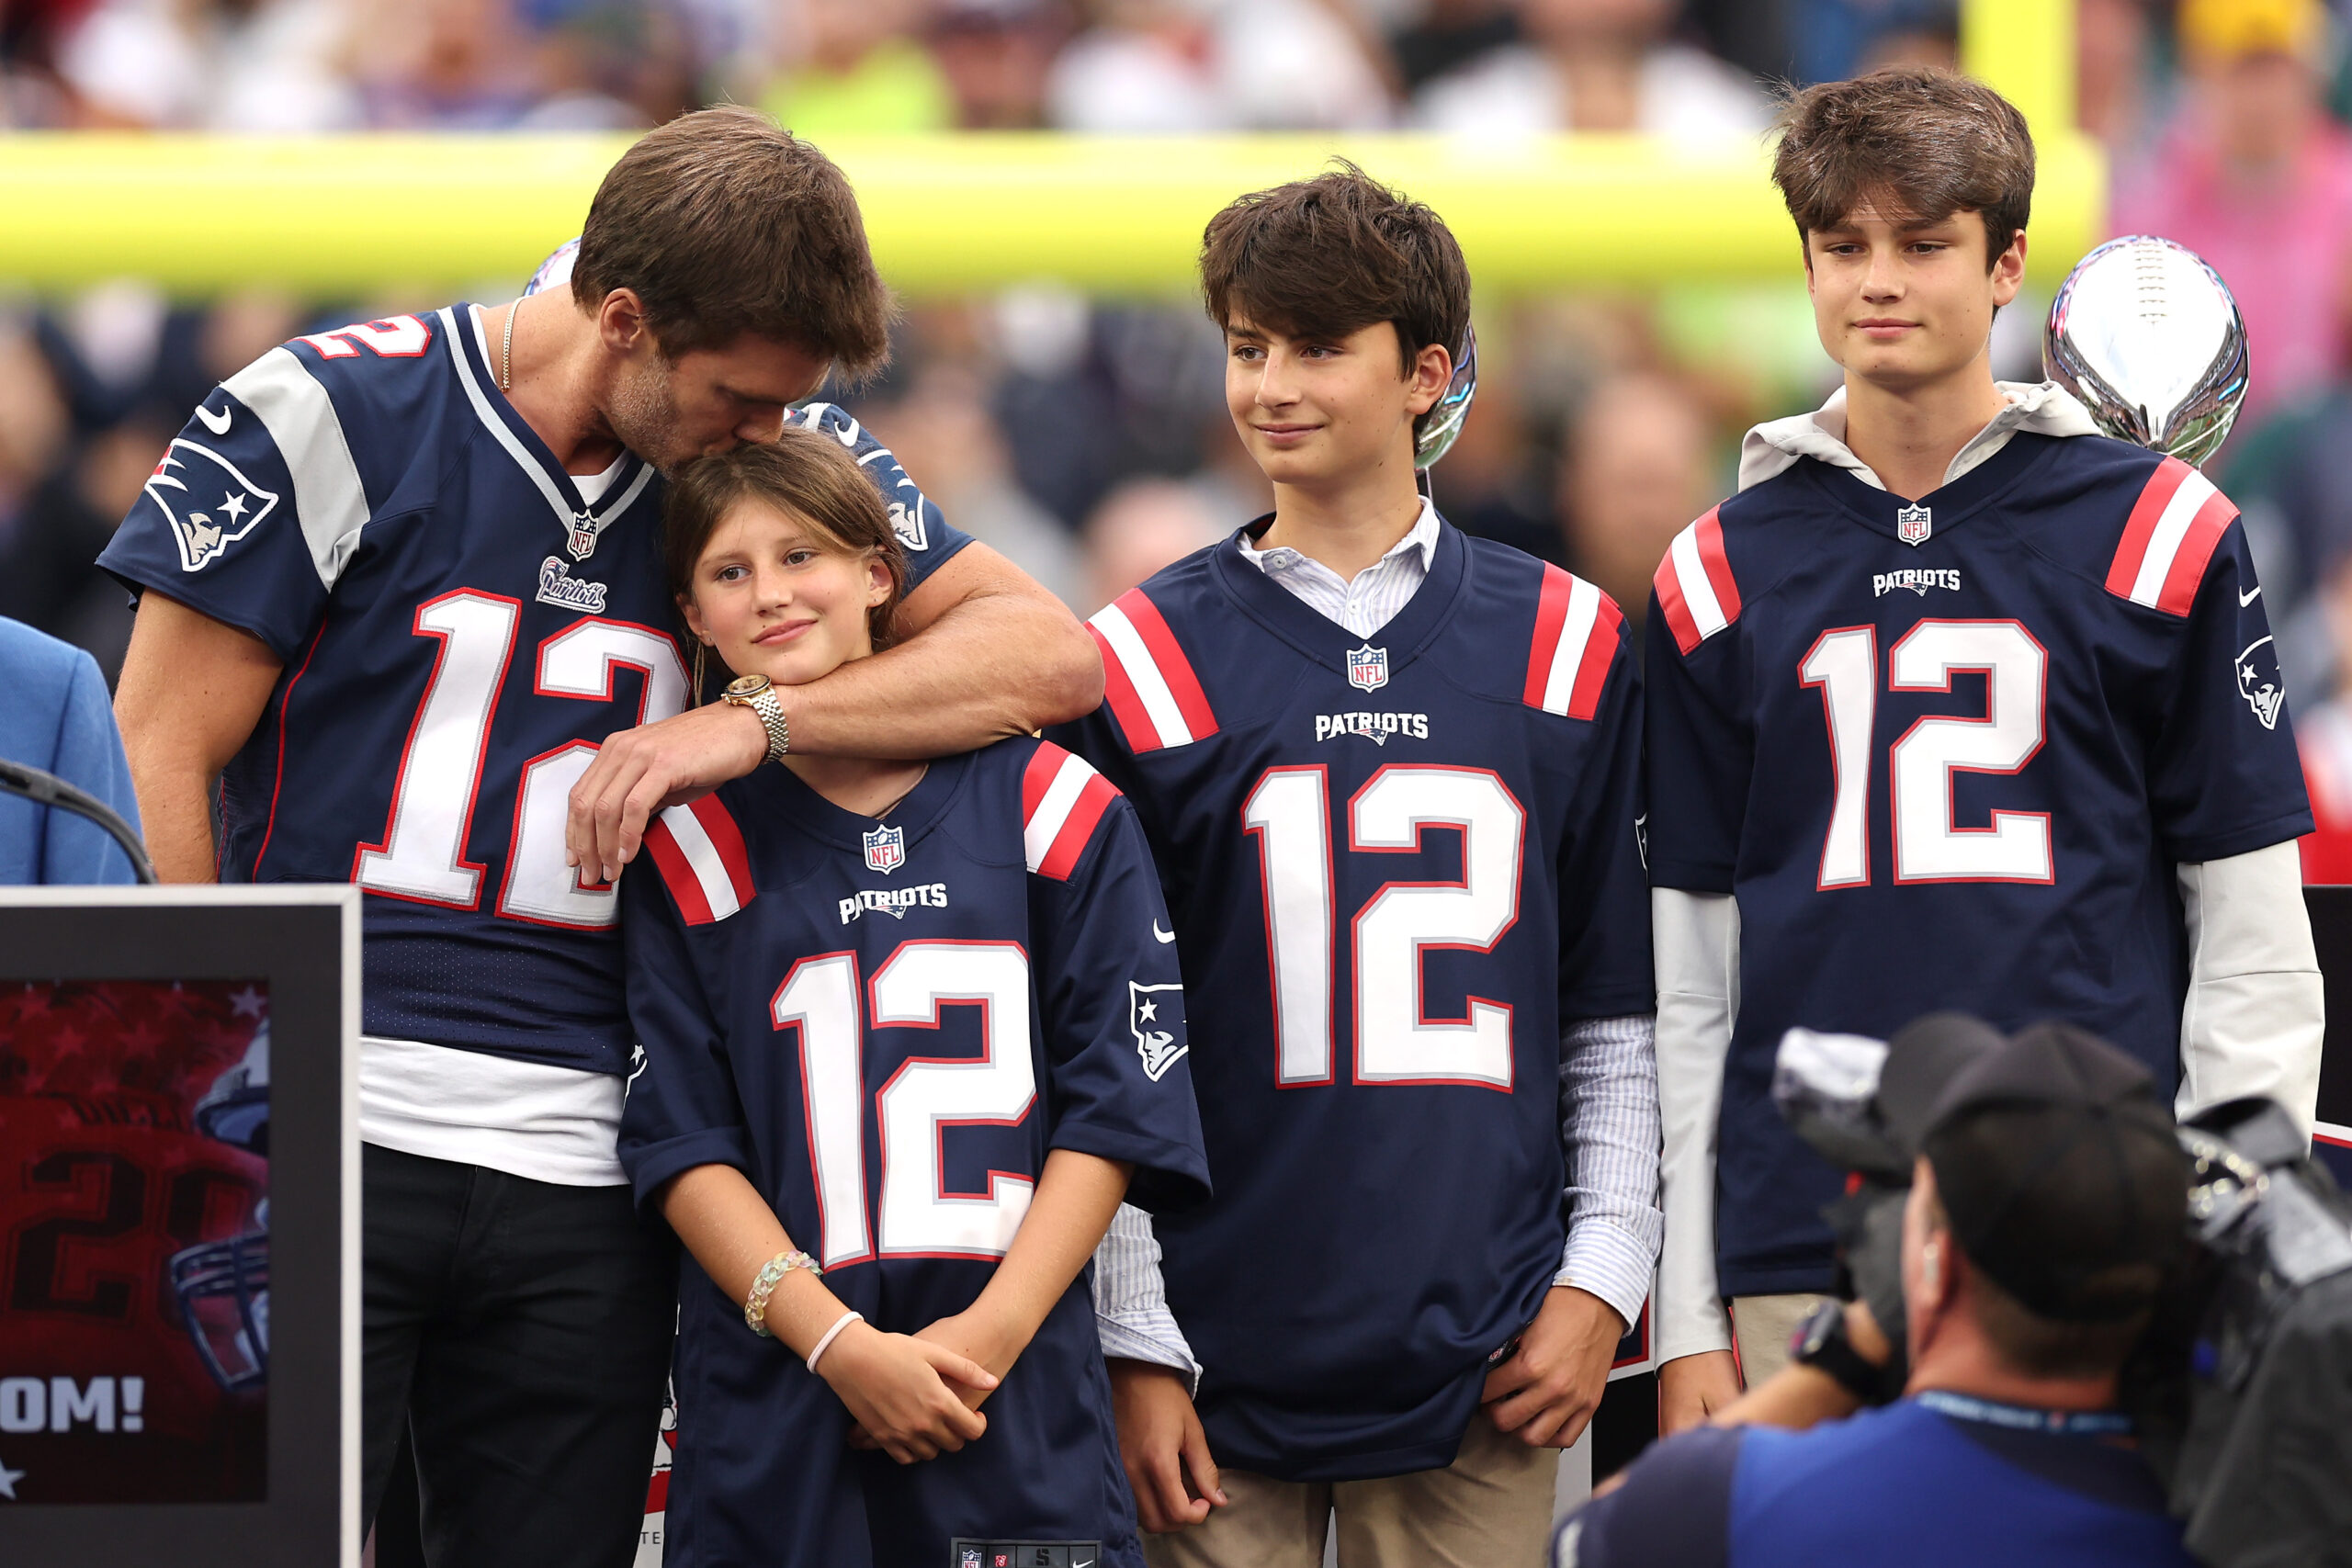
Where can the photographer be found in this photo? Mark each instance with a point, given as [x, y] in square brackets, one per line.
[2046, 1211]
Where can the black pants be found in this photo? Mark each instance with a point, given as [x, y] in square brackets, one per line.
[521, 1331]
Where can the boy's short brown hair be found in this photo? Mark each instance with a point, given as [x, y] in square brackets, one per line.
[804, 473]
[725, 226]
[1917, 144]
[1329, 256]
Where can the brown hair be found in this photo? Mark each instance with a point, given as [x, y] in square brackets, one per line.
[1332, 256]
[804, 474]
[1917, 144]
[725, 226]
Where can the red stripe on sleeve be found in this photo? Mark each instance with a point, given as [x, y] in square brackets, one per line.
[1592, 671]
[1551, 615]
[1126, 708]
[1711, 557]
[684, 885]
[1678, 615]
[1175, 668]
[1078, 829]
[2196, 545]
[2154, 498]
[1038, 777]
[728, 840]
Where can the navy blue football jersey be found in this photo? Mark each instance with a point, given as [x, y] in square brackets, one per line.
[884, 1026]
[1949, 755]
[460, 632]
[1398, 866]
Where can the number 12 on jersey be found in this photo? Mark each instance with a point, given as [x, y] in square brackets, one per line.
[1927, 847]
[1289, 813]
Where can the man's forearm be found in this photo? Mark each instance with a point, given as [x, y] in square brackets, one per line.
[992, 666]
[191, 691]
[175, 821]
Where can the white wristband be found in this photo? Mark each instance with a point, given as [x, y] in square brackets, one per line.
[831, 1333]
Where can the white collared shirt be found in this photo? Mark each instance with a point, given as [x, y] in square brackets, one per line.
[2040, 408]
[1379, 590]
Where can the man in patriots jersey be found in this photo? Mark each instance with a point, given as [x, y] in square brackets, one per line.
[1390, 776]
[401, 581]
[914, 1019]
[1957, 704]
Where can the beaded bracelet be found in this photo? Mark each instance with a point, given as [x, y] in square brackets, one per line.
[771, 1273]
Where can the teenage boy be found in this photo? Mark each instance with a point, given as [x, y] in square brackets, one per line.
[1958, 705]
[403, 578]
[1390, 776]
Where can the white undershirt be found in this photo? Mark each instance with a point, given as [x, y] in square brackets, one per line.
[592, 486]
[554, 1124]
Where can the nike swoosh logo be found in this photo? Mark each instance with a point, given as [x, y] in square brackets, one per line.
[2246, 599]
[1161, 935]
[217, 423]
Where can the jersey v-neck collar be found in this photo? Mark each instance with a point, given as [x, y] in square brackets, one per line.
[922, 808]
[1291, 618]
[470, 352]
[1949, 506]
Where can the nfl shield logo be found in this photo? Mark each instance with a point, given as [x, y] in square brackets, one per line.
[1368, 667]
[1913, 524]
[969, 1558]
[583, 538]
[886, 849]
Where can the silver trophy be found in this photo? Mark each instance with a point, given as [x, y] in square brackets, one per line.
[2145, 335]
[1443, 424]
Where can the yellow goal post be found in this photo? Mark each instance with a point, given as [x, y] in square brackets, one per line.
[364, 215]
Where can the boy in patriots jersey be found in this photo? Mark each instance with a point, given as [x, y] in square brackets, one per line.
[912, 1019]
[401, 584]
[1390, 775]
[2015, 746]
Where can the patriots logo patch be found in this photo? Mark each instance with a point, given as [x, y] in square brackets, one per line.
[908, 522]
[209, 502]
[2259, 682]
[1155, 1013]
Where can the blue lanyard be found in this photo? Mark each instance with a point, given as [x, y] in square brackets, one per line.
[2023, 1418]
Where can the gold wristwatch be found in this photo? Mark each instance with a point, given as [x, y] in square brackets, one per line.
[758, 693]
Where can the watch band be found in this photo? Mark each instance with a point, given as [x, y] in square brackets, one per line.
[1820, 1342]
[770, 709]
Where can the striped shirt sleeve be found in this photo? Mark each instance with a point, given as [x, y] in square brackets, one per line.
[1131, 1298]
[1608, 1131]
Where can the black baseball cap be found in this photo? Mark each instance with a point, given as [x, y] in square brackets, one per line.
[2055, 1161]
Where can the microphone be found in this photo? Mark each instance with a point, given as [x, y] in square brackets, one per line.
[48, 789]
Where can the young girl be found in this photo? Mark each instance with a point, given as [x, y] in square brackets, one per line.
[908, 1034]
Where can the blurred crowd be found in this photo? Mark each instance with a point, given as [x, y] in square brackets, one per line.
[1088, 438]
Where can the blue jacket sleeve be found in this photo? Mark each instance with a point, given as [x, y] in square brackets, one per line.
[682, 1109]
[1113, 1010]
[89, 756]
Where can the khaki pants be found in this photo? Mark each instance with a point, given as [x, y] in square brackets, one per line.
[1760, 1326]
[1490, 1508]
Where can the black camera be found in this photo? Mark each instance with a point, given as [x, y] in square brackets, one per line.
[2241, 1389]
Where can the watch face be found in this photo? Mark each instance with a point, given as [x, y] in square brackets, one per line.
[747, 686]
